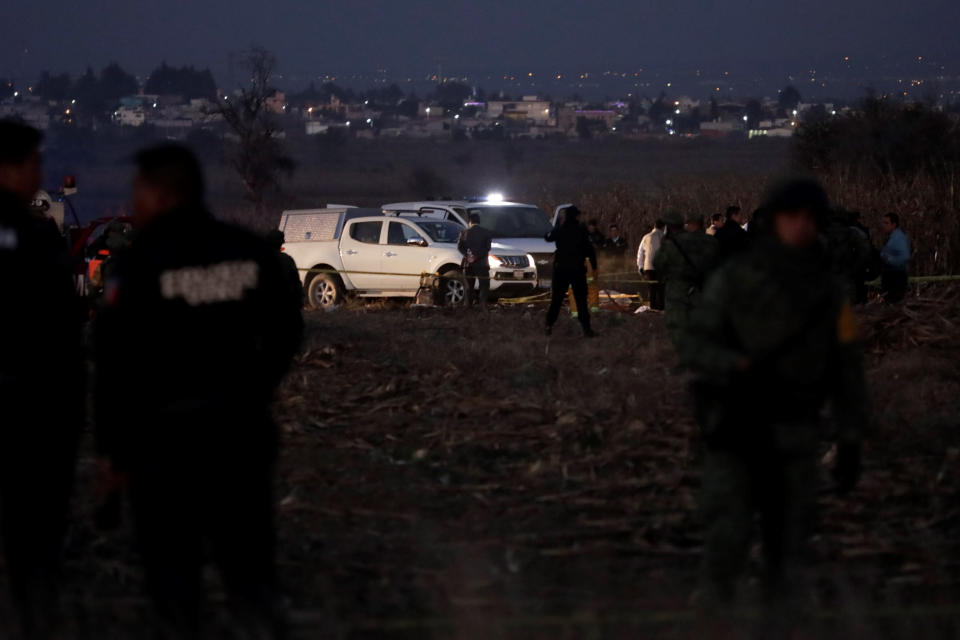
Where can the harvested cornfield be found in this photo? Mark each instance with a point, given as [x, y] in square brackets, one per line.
[449, 474]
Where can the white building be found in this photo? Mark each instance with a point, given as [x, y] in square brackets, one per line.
[530, 109]
[130, 116]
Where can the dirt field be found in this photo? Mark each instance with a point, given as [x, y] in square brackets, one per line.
[447, 475]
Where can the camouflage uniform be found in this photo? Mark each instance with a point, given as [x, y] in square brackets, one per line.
[683, 276]
[772, 341]
[848, 254]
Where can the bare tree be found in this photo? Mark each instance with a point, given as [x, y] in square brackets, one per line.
[259, 156]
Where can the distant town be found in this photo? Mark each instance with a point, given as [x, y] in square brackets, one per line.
[176, 101]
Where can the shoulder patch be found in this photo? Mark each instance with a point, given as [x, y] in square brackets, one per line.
[220, 282]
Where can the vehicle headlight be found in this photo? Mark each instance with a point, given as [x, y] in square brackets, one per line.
[530, 261]
[494, 262]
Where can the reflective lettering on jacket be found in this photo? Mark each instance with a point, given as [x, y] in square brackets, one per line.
[221, 282]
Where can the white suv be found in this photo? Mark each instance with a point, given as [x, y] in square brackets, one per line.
[515, 226]
[340, 250]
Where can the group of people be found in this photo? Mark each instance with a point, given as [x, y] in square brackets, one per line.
[195, 331]
[760, 315]
[851, 254]
[193, 334]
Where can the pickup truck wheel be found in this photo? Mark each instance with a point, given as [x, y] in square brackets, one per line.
[325, 291]
[453, 286]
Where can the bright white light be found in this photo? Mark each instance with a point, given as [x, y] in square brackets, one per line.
[494, 262]
[496, 196]
[428, 110]
[833, 113]
[794, 112]
[677, 112]
[74, 101]
[369, 120]
[348, 123]
[16, 94]
[745, 118]
[669, 122]
[672, 132]
[456, 117]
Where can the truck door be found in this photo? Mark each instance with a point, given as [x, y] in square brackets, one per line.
[362, 254]
[407, 255]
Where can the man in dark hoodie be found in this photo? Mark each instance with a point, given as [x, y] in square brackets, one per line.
[574, 249]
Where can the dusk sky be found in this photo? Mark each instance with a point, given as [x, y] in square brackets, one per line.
[415, 35]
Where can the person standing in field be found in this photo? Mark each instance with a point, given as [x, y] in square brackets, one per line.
[42, 393]
[716, 222]
[732, 237]
[474, 244]
[694, 224]
[776, 321]
[683, 263]
[198, 328]
[574, 250]
[597, 239]
[895, 256]
[649, 246]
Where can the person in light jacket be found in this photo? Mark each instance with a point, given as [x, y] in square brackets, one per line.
[649, 245]
[895, 255]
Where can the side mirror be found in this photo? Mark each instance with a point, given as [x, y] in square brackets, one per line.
[416, 242]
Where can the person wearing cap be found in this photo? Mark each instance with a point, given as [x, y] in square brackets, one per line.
[574, 251]
[683, 263]
[774, 322]
[42, 392]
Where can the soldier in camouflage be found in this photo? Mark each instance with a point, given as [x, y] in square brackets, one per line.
[772, 342]
[848, 254]
[683, 263]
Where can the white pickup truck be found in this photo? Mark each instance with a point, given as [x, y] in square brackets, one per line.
[521, 227]
[361, 251]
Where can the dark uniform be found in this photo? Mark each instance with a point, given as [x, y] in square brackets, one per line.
[197, 332]
[773, 340]
[289, 267]
[597, 239]
[474, 243]
[574, 249]
[682, 263]
[42, 398]
[733, 240]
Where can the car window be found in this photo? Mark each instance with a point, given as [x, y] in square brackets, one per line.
[367, 232]
[441, 230]
[400, 233]
[513, 222]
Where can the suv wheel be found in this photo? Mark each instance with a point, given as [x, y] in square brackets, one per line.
[453, 286]
[325, 291]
